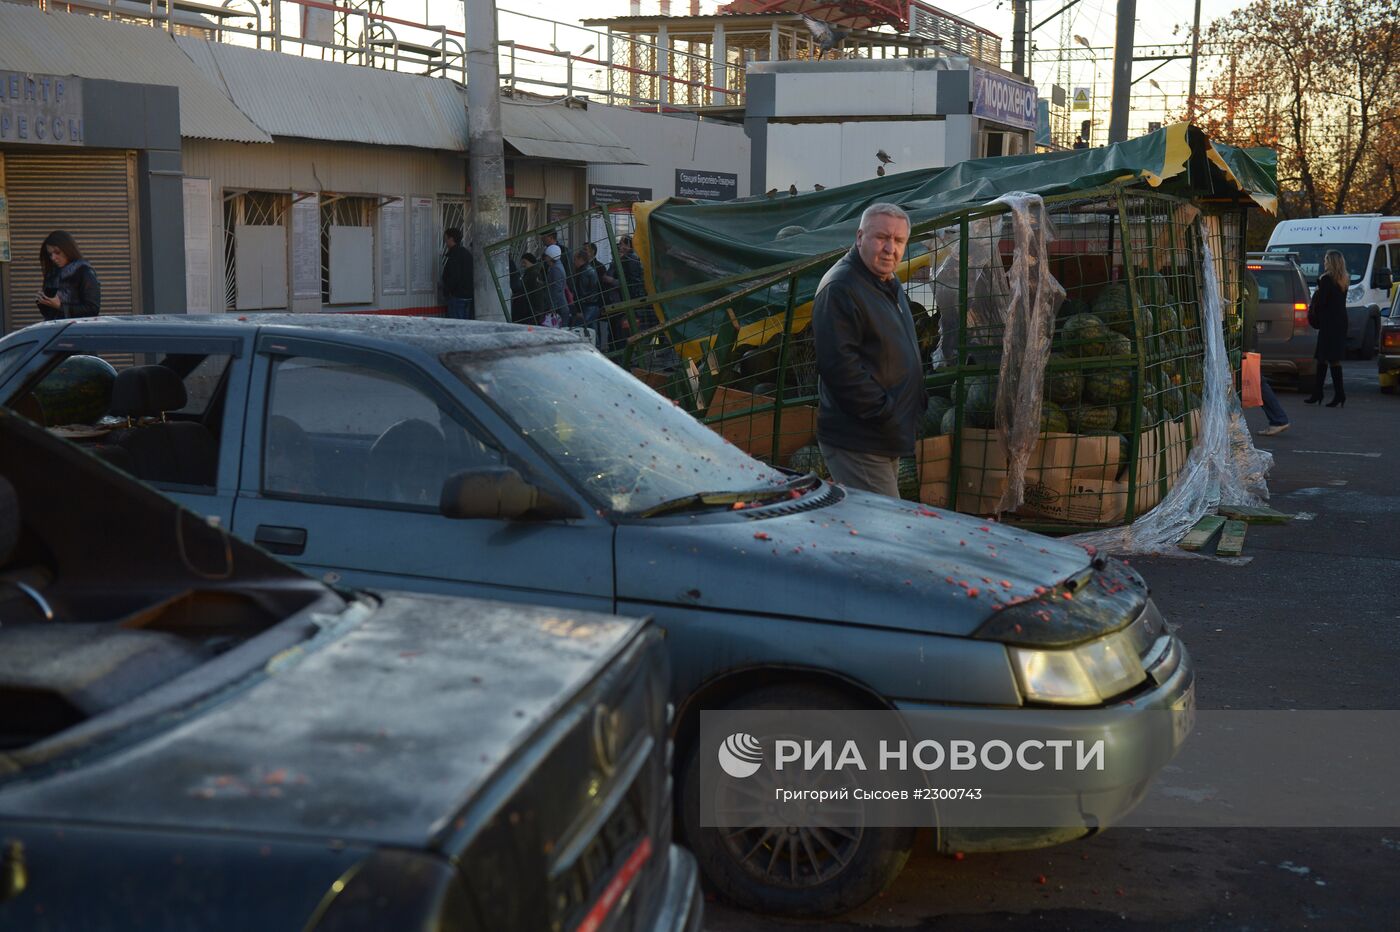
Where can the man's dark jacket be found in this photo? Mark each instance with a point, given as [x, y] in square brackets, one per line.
[871, 385]
[457, 273]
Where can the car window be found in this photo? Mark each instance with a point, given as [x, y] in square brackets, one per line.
[357, 433]
[629, 446]
[1275, 284]
[11, 356]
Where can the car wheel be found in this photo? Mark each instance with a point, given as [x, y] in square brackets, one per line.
[804, 872]
[1370, 340]
[1387, 389]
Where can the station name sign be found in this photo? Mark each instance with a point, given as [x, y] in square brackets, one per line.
[999, 98]
[41, 109]
[706, 185]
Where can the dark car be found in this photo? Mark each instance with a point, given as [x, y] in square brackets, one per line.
[1281, 334]
[195, 736]
[491, 459]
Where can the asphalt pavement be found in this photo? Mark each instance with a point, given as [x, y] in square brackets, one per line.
[1310, 622]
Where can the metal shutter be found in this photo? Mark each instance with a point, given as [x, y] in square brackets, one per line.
[91, 195]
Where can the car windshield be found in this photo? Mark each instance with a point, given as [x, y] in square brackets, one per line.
[631, 447]
[1276, 284]
[1310, 258]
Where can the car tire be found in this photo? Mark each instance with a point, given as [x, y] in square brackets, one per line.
[1387, 389]
[832, 875]
[1370, 341]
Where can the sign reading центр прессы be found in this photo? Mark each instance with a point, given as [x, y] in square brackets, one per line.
[1001, 99]
[41, 109]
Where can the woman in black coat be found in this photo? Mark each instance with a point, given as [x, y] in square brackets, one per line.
[70, 284]
[1328, 314]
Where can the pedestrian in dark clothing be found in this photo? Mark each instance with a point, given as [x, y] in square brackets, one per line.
[532, 279]
[1328, 315]
[457, 280]
[557, 280]
[588, 294]
[611, 293]
[70, 288]
[1273, 409]
[871, 383]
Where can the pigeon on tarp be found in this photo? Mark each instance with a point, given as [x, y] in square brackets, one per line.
[826, 35]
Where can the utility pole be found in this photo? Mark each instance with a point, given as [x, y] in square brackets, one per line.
[486, 162]
[1018, 37]
[1122, 71]
[1195, 55]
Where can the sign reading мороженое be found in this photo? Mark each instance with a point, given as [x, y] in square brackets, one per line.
[706, 186]
[1001, 99]
[41, 109]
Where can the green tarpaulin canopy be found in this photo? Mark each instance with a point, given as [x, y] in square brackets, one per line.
[686, 243]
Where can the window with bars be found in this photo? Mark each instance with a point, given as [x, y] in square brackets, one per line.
[255, 249]
[347, 249]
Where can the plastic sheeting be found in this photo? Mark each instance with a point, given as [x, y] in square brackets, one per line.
[1028, 324]
[1224, 468]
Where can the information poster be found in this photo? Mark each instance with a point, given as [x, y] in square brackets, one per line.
[424, 249]
[199, 237]
[392, 273]
[306, 247]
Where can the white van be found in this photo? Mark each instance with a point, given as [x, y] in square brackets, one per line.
[1371, 245]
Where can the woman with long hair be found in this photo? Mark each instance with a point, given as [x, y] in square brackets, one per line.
[70, 284]
[1328, 315]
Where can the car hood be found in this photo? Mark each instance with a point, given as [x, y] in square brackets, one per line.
[863, 559]
[380, 730]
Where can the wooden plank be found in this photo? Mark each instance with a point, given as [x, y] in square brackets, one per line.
[1253, 514]
[1231, 539]
[1200, 535]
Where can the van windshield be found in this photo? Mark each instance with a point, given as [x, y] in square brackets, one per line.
[1310, 258]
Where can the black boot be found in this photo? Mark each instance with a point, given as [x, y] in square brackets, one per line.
[1339, 392]
[1318, 378]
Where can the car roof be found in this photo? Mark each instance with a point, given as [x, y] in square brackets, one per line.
[435, 335]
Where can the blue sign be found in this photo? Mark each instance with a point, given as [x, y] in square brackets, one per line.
[1002, 99]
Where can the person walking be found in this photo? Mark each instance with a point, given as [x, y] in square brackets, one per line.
[1273, 410]
[556, 280]
[870, 386]
[1328, 315]
[588, 295]
[457, 276]
[532, 277]
[70, 287]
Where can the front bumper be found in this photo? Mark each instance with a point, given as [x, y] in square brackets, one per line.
[682, 907]
[1141, 734]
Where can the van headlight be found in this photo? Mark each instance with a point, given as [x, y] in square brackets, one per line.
[1089, 674]
[1354, 294]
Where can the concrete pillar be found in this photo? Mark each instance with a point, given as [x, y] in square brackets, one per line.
[720, 55]
[663, 62]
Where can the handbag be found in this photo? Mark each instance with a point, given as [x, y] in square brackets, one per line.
[1251, 389]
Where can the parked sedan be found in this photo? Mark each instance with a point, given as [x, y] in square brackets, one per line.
[494, 460]
[195, 736]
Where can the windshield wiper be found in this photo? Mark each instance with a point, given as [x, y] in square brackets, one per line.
[701, 500]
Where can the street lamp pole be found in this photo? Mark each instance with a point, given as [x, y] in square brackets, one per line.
[486, 164]
[1122, 71]
[1195, 54]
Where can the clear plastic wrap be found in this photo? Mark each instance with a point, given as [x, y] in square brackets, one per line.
[1028, 324]
[986, 289]
[1223, 468]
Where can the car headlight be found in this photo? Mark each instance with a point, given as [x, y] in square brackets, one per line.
[1089, 674]
[1354, 294]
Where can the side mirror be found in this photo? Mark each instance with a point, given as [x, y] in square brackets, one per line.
[501, 492]
[1381, 278]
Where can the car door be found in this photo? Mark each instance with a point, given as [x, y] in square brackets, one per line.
[211, 371]
[345, 457]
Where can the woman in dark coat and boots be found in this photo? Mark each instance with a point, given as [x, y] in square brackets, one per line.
[70, 284]
[1328, 313]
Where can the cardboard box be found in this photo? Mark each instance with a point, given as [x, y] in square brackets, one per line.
[980, 491]
[934, 493]
[656, 380]
[753, 432]
[935, 459]
[1079, 501]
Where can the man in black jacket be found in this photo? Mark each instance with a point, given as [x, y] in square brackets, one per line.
[871, 385]
[457, 276]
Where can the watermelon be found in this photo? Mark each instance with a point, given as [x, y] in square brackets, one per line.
[1125, 419]
[933, 416]
[950, 422]
[980, 400]
[1152, 289]
[1167, 320]
[1114, 307]
[1053, 419]
[809, 459]
[767, 389]
[1071, 307]
[1084, 335]
[1086, 418]
[909, 478]
[1108, 386]
[1173, 402]
[1119, 345]
[77, 391]
[1063, 386]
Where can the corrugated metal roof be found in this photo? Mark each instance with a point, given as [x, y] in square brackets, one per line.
[65, 43]
[556, 131]
[309, 99]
